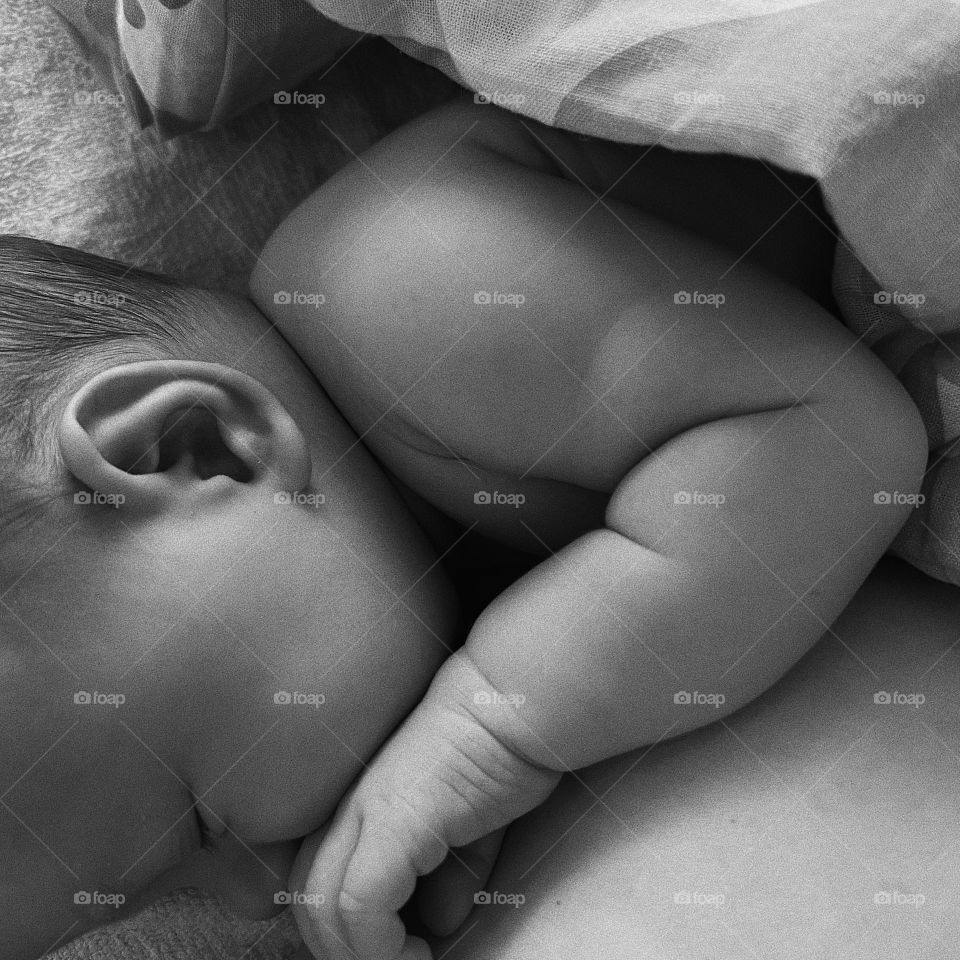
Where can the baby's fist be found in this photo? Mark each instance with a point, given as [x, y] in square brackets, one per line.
[442, 781]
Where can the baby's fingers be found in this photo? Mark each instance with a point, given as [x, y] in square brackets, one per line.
[392, 850]
[314, 886]
[442, 780]
[348, 882]
[446, 896]
[351, 878]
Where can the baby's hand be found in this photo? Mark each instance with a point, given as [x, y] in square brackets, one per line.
[442, 781]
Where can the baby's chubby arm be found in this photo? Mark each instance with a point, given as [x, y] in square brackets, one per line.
[588, 655]
[729, 543]
[726, 553]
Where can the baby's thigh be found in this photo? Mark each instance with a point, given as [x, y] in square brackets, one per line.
[815, 823]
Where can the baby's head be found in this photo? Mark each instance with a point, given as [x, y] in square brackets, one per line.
[213, 605]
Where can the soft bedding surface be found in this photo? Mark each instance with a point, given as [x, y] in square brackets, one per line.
[76, 167]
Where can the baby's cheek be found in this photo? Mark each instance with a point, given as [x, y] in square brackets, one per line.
[270, 758]
[277, 770]
[308, 665]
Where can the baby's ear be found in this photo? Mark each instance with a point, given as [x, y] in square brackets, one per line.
[163, 433]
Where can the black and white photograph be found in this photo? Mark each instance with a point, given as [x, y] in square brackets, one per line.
[477, 480]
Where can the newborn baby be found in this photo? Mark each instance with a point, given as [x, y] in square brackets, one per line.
[700, 461]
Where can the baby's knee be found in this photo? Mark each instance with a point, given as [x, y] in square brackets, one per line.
[882, 428]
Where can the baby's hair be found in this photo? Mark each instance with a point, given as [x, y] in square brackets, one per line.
[63, 313]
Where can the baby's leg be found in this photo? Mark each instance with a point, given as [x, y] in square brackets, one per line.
[816, 823]
[760, 212]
